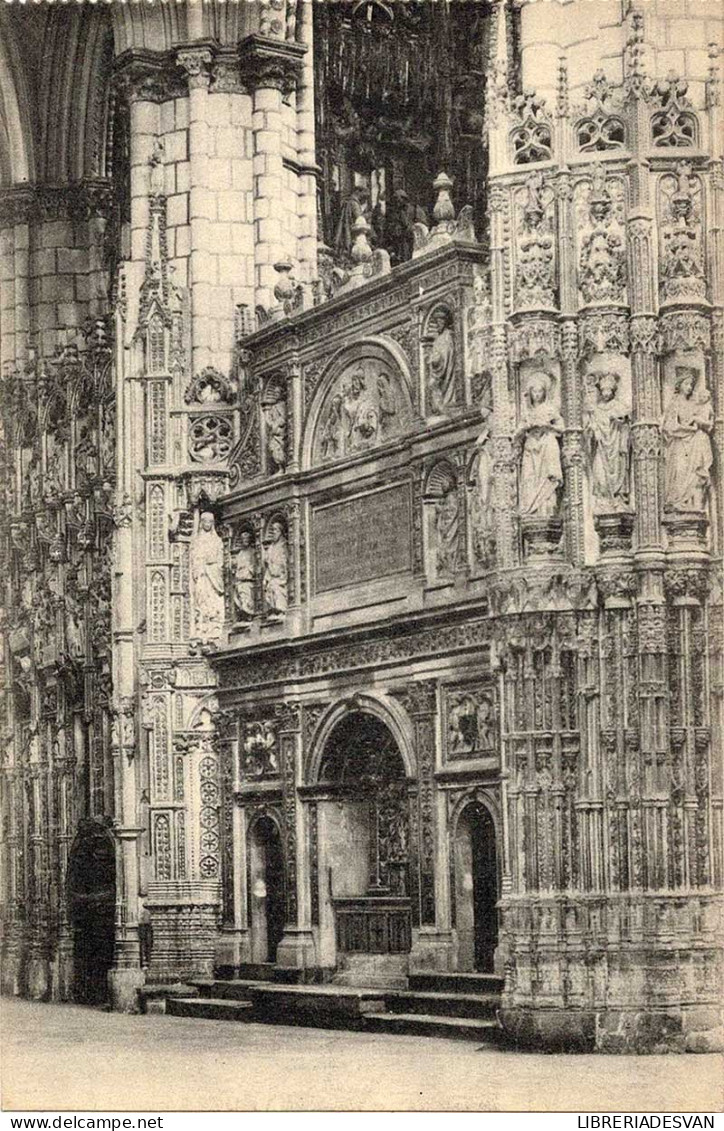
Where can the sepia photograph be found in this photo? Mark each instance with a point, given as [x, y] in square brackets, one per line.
[361, 537]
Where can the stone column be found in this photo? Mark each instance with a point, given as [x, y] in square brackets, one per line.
[296, 948]
[270, 68]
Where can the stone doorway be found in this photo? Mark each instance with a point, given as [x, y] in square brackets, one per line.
[476, 889]
[266, 889]
[92, 904]
[364, 852]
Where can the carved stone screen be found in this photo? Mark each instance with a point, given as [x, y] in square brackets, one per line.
[363, 538]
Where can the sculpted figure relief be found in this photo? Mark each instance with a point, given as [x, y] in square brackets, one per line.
[276, 571]
[541, 474]
[245, 576]
[688, 420]
[207, 574]
[362, 411]
[441, 365]
[607, 431]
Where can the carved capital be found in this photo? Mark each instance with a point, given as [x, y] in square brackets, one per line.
[149, 76]
[270, 63]
[197, 63]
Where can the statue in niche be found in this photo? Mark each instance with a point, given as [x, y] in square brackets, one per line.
[86, 457]
[482, 497]
[55, 473]
[607, 432]
[447, 529]
[441, 365]
[207, 575]
[276, 572]
[260, 750]
[245, 576]
[470, 724]
[274, 407]
[31, 482]
[688, 420]
[541, 474]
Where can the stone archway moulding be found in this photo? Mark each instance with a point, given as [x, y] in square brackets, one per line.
[382, 707]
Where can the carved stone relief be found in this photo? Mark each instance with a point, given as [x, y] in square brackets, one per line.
[366, 405]
[470, 728]
[600, 214]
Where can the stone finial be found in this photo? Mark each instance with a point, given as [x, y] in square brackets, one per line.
[444, 209]
[361, 252]
[284, 288]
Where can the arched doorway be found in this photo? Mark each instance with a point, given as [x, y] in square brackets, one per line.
[476, 888]
[266, 888]
[92, 903]
[364, 874]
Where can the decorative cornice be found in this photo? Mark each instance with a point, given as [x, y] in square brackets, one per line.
[78, 200]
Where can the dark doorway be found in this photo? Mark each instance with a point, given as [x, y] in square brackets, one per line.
[476, 889]
[267, 902]
[92, 902]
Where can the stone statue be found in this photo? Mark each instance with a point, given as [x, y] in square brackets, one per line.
[276, 572]
[607, 432]
[86, 457]
[275, 422]
[482, 496]
[245, 577]
[207, 575]
[688, 420]
[541, 475]
[356, 205]
[447, 529]
[441, 365]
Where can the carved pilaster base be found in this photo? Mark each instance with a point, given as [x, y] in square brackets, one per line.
[657, 967]
[687, 533]
[184, 918]
[541, 537]
[123, 986]
[614, 532]
[432, 951]
[297, 950]
[38, 978]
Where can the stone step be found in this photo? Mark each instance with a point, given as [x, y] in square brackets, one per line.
[209, 1008]
[443, 1004]
[430, 1025]
[236, 989]
[457, 983]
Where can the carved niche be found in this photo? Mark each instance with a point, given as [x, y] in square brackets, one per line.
[535, 245]
[681, 251]
[600, 216]
[366, 403]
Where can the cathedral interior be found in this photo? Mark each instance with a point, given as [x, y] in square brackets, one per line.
[362, 387]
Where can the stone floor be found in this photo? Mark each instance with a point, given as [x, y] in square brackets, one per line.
[73, 1058]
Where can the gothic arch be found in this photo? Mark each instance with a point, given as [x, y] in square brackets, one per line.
[376, 350]
[381, 707]
[17, 150]
[487, 799]
[74, 94]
